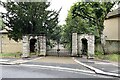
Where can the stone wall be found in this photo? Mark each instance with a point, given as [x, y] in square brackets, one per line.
[9, 45]
[111, 46]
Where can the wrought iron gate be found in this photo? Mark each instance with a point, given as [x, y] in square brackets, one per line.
[58, 51]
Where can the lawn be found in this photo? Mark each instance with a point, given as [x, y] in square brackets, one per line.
[13, 55]
[10, 55]
[110, 57]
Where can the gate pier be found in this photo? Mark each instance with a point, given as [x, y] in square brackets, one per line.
[83, 44]
[34, 43]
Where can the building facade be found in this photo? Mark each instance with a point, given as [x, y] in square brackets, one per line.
[111, 31]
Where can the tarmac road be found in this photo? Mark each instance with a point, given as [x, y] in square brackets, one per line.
[49, 67]
[31, 71]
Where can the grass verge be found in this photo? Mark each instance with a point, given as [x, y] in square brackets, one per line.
[10, 55]
[110, 57]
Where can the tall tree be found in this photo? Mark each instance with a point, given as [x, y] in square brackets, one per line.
[87, 17]
[29, 18]
[95, 12]
[75, 25]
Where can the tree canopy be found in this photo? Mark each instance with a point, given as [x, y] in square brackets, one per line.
[86, 17]
[29, 18]
[94, 12]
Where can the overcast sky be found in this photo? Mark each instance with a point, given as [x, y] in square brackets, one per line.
[57, 4]
[65, 4]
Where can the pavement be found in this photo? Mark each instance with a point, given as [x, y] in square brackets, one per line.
[66, 62]
[10, 61]
[99, 67]
[7, 60]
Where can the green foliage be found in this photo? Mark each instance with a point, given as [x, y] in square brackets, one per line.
[57, 33]
[110, 57]
[55, 36]
[10, 55]
[94, 12]
[98, 53]
[1, 24]
[29, 18]
[86, 17]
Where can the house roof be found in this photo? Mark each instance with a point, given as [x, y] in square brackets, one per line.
[115, 13]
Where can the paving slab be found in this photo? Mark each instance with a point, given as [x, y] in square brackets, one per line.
[13, 61]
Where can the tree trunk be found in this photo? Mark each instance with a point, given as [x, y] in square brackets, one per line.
[103, 48]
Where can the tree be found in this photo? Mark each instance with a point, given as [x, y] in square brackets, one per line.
[55, 36]
[87, 17]
[75, 25]
[29, 18]
[2, 25]
[95, 12]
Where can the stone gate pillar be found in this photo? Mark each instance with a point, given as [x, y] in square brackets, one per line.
[79, 45]
[74, 44]
[26, 49]
[42, 45]
[91, 46]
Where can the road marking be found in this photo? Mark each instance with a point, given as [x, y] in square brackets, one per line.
[4, 60]
[77, 71]
[90, 67]
[65, 69]
[105, 63]
[98, 71]
[116, 71]
[58, 68]
[20, 61]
